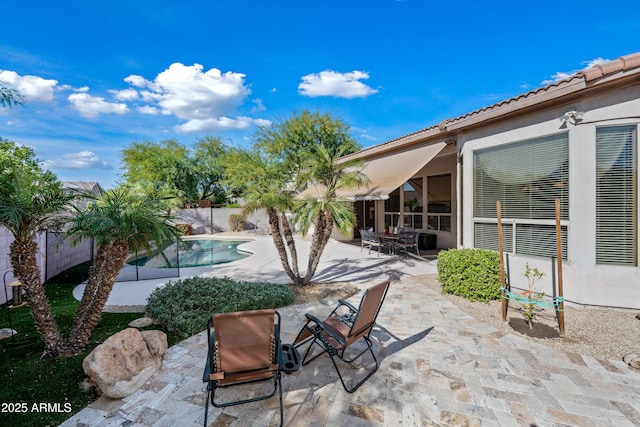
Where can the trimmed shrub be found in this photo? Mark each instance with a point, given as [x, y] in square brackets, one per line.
[184, 306]
[185, 229]
[470, 273]
[236, 222]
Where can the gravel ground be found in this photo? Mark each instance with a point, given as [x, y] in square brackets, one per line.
[601, 333]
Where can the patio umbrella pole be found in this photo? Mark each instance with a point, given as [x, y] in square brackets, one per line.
[559, 266]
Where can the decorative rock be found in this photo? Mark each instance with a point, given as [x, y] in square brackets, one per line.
[6, 333]
[632, 360]
[156, 343]
[141, 322]
[125, 361]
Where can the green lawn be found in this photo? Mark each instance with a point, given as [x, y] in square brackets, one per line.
[39, 391]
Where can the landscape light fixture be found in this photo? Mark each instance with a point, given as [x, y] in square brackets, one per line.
[572, 116]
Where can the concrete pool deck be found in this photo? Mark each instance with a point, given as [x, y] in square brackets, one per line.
[340, 262]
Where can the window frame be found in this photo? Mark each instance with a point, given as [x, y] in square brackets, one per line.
[624, 252]
[527, 156]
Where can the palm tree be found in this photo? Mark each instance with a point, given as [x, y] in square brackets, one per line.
[120, 222]
[10, 97]
[327, 172]
[270, 194]
[31, 201]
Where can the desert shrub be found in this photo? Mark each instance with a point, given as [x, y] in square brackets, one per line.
[236, 222]
[184, 306]
[470, 273]
[185, 229]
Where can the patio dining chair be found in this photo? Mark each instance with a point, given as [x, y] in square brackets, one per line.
[345, 326]
[408, 241]
[372, 240]
[243, 347]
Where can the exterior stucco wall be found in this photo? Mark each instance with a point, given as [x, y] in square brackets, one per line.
[62, 254]
[584, 281]
[215, 220]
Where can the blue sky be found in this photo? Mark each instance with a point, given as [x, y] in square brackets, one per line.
[100, 75]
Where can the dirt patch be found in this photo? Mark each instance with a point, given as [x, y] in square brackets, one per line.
[318, 291]
[535, 330]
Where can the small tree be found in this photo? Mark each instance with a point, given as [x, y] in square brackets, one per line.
[120, 222]
[32, 200]
[531, 297]
[170, 167]
[288, 157]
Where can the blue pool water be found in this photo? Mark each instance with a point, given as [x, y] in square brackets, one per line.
[192, 253]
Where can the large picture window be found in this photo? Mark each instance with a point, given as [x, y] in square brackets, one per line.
[413, 204]
[526, 177]
[439, 206]
[616, 195]
[392, 209]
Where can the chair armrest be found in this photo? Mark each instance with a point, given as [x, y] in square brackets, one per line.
[343, 302]
[324, 328]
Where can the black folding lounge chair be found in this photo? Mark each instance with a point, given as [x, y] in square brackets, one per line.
[344, 326]
[244, 347]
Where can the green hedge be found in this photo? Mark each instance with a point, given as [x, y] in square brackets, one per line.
[184, 306]
[470, 273]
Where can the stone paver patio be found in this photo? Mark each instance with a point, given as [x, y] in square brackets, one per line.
[438, 366]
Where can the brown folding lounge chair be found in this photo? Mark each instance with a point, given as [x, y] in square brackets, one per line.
[344, 326]
[244, 347]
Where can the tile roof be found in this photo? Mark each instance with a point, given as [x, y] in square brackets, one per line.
[606, 71]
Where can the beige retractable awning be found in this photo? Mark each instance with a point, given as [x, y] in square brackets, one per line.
[388, 172]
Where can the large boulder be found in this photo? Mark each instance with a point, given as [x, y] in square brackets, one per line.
[125, 361]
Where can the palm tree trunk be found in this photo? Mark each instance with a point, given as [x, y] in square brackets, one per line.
[276, 234]
[321, 235]
[26, 270]
[102, 276]
[96, 272]
[288, 237]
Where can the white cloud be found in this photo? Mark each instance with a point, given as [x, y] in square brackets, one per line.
[561, 75]
[363, 133]
[259, 106]
[32, 88]
[190, 93]
[219, 124]
[125, 95]
[593, 62]
[339, 85]
[147, 109]
[91, 106]
[77, 161]
[137, 81]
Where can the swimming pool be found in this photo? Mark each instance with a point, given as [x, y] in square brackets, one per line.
[192, 253]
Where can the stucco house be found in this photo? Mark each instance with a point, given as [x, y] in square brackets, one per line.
[575, 140]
